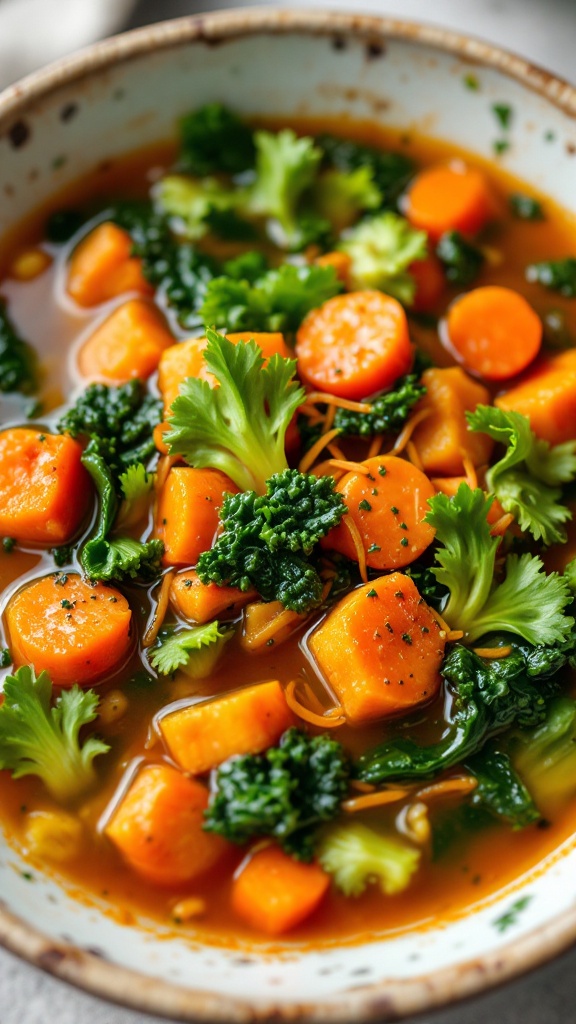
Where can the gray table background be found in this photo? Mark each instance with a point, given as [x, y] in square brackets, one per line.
[545, 32]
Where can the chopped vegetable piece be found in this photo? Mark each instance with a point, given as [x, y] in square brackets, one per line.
[44, 489]
[103, 267]
[357, 856]
[75, 631]
[203, 735]
[500, 789]
[187, 514]
[380, 655]
[461, 260]
[240, 427]
[341, 196]
[528, 602]
[443, 440]
[452, 197]
[287, 792]
[158, 827]
[547, 396]
[390, 171]
[388, 413]
[285, 166]
[194, 204]
[557, 275]
[385, 520]
[137, 486]
[193, 651]
[214, 139]
[527, 479]
[381, 250]
[268, 623]
[546, 756]
[127, 345]
[274, 893]
[354, 344]
[202, 602]
[39, 739]
[17, 357]
[526, 207]
[494, 332]
[266, 539]
[125, 416]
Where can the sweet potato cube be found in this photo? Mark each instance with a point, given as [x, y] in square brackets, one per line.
[547, 396]
[102, 267]
[187, 515]
[247, 721]
[127, 344]
[202, 602]
[380, 649]
[443, 439]
[274, 893]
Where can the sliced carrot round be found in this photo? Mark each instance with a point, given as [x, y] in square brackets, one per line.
[494, 332]
[450, 197]
[387, 506]
[354, 345]
[74, 630]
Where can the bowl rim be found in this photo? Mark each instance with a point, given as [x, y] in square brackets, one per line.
[387, 1000]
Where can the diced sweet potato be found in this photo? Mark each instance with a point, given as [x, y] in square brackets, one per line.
[247, 721]
[187, 515]
[274, 893]
[202, 602]
[127, 344]
[547, 396]
[102, 267]
[443, 439]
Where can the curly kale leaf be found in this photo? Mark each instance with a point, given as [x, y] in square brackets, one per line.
[500, 789]
[462, 261]
[390, 171]
[389, 410]
[556, 275]
[17, 357]
[285, 793]
[213, 139]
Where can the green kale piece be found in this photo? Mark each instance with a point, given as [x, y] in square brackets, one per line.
[462, 261]
[525, 207]
[284, 793]
[286, 166]
[193, 651]
[213, 139]
[17, 357]
[389, 412]
[557, 275]
[500, 789]
[390, 171]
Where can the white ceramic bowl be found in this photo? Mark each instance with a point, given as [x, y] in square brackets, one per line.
[127, 92]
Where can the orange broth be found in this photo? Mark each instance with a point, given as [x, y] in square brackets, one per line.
[476, 866]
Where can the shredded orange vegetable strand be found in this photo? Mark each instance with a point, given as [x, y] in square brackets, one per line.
[445, 628]
[358, 544]
[362, 787]
[161, 609]
[336, 452]
[375, 447]
[327, 468]
[446, 787]
[311, 413]
[470, 472]
[413, 455]
[306, 714]
[383, 796]
[501, 525]
[165, 463]
[349, 467]
[454, 634]
[409, 429]
[330, 417]
[310, 457]
[492, 652]
[318, 397]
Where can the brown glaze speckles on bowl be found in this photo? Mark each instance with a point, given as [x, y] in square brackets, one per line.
[83, 113]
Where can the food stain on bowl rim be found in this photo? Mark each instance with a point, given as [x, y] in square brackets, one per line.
[388, 999]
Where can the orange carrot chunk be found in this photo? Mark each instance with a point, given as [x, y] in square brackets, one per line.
[187, 360]
[547, 396]
[44, 488]
[443, 440]
[380, 649]
[187, 515]
[203, 735]
[354, 345]
[387, 506]
[430, 284]
[128, 344]
[76, 631]
[157, 827]
[493, 332]
[202, 602]
[339, 261]
[449, 485]
[450, 197]
[273, 893]
[102, 267]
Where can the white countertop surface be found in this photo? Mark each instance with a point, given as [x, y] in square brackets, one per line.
[545, 32]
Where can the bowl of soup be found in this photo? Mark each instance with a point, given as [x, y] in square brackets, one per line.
[287, 465]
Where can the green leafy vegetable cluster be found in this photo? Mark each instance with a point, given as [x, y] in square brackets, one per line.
[528, 479]
[38, 737]
[389, 410]
[500, 789]
[390, 171]
[194, 651]
[17, 358]
[285, 793]
[266, 539]
[557, 275]
[462, 261]
[381, 250]
[213, 139]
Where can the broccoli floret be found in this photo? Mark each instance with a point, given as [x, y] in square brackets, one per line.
[284, 793]
[196, 206]
[194, 651]
[461, 260]
[265, 540]
[278, 300]
[389, 410]
[285, 167]
[214, 139]
[546, 756]
[381, 250]
[485, 696]
[528, 602]
[500, 789]
[557, 275]
[240, 426]
[340, 197]
[356, 857]
[37, 738]
[527, 479]
[391, 172]
[17, 357]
